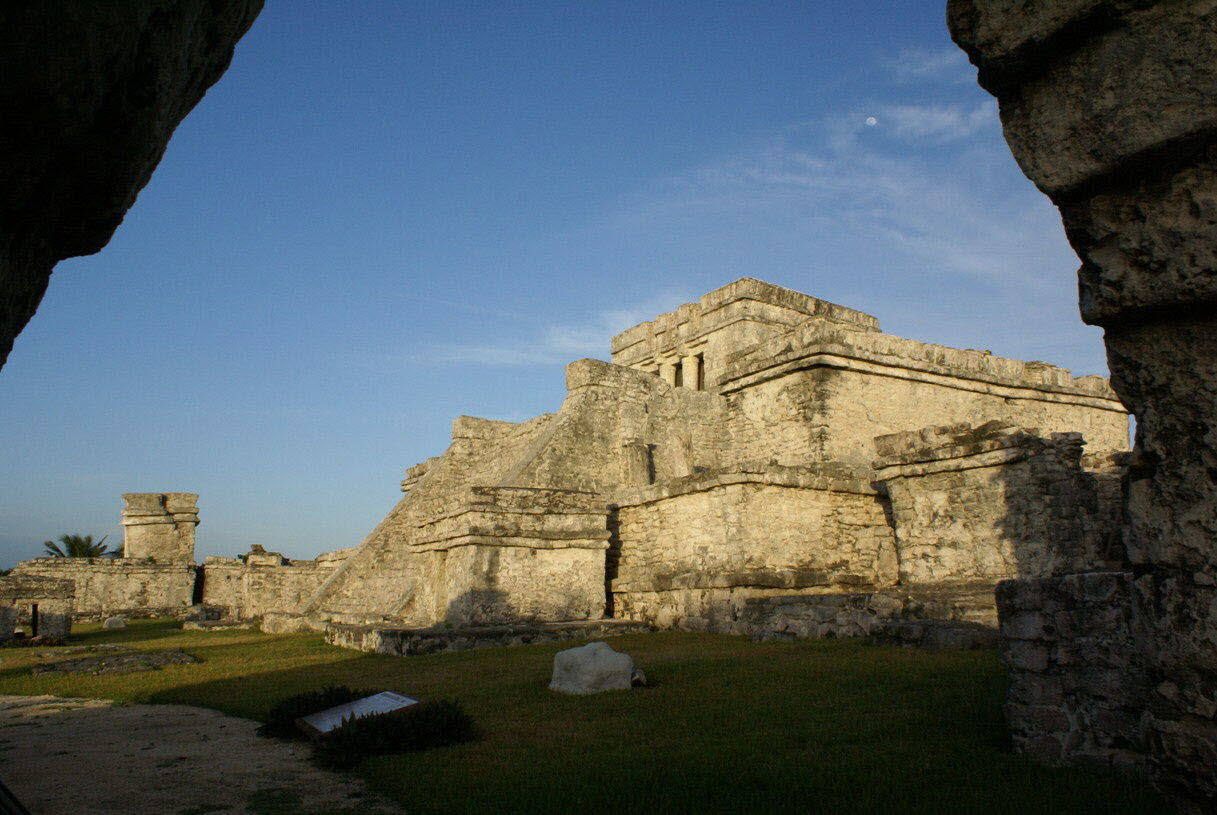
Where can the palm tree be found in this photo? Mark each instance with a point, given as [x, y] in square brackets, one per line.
[78, 546]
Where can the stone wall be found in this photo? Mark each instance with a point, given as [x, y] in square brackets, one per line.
[1110, 108]
[379, 639]
[42, 605]
[106, 586]
[1078, 687]
[822, 394]
[519, 554]
[690, 553]
[251, 588]
[955, 615]
[993, 502]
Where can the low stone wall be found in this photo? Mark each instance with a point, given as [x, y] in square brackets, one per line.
[415, 641]
[132, 588]
[960, 616]
[1077, 686]
[995, 502]
[690, 553]
[247, 591]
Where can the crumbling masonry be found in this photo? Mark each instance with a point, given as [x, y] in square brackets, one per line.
[1110, 107]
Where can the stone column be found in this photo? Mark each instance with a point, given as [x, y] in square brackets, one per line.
[691, 369]
[667, 371]
[160, 526]
[1110, 107]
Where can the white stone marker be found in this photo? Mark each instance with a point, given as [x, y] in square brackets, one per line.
[591, 668]
[383, 702]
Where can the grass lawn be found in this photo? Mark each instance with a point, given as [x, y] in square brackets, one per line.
[728, 724]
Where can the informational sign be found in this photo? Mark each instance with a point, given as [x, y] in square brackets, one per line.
[384, 702]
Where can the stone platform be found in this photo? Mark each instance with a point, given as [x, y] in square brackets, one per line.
[416, 641]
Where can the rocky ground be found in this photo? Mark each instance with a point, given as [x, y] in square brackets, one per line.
[82, 756]
[116, 663]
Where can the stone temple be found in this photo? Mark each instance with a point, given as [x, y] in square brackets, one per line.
[759, 461]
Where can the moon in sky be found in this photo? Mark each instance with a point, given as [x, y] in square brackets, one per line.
[871, 121]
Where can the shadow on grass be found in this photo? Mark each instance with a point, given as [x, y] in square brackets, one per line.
[729, 725]
[136, 631]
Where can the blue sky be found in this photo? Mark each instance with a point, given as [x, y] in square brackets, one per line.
[389, 214]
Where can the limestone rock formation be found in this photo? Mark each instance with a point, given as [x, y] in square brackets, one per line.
[1110, 107]
[90, 94]
[592, 668]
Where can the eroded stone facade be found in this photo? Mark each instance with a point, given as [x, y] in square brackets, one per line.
[108, 586]
[727, 456]
[746, 498]
[993, 502]
[693, 551]
[41, 606]
[1110, 108]
[261, 582]
[159, 527]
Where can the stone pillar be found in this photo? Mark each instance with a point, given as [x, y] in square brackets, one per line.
[691, 369]
[667, 371]
[160, 526]
[1110, 107]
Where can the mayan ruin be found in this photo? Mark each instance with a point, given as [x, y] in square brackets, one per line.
[747, 463]
[755, 531]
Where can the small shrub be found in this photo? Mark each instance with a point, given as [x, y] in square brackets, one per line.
[418, 727]
[281, 721]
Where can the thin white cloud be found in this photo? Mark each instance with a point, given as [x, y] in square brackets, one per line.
[930, 194]
[560, 343]
[947, 64]
[940, 210]
[938, 124]
[935, 201]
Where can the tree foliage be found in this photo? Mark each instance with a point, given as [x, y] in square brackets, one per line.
[78, 546]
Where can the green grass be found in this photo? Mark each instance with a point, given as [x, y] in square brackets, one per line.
[728, 725]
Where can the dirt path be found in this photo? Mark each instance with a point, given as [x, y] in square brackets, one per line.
[85, 756]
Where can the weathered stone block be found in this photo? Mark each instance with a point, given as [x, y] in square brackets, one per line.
[159, 527]
[591, 668]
